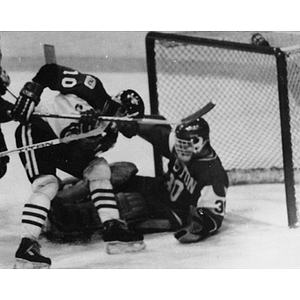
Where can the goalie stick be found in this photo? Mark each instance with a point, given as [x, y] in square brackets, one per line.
[205, 109]
[202, 111]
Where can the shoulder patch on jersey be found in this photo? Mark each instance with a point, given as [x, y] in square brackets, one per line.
[90, 82]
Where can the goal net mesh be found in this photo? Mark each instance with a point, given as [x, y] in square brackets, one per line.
[245, 124]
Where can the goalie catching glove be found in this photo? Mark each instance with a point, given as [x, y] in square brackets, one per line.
[26, 102]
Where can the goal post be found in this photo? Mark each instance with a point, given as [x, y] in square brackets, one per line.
[255, 126]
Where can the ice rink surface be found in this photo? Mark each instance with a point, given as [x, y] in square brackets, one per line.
[255, 233]
[254, 236]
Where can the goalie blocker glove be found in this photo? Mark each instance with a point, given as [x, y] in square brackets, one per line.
[26, 102]
[201, 223]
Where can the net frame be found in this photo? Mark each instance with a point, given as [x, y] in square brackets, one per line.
[285, 82]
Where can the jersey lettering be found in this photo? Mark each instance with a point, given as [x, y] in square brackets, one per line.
[185, 176]
[68, 82]
[220, 207]
[175, 187]
[68, 72]
[183, 180]
[90, 82]
[211, 200]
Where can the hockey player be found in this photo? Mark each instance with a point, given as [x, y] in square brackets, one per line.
[81, 94]
[5, 107]
[189, 198]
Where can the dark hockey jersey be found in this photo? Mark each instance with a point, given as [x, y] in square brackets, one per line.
[202, 182]
[69, 81]
[77, 93]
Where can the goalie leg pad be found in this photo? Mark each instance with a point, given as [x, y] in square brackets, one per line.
[72, 218]
[121, 172]
[132, 207]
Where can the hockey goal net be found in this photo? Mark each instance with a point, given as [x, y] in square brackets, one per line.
[255, 126]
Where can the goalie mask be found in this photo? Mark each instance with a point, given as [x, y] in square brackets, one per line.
[191, 138]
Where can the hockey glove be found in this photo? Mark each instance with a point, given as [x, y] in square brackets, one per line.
[89, 120]
[201, 223]
[4, 81]
[26, 102]
[108, 141]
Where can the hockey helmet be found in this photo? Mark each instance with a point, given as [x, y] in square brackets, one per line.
[191, 138]
[132, 102]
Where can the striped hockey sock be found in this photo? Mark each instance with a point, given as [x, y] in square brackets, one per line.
[33, 219]
[105, 203]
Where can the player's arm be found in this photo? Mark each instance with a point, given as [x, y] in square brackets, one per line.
[213, 203]
[25, 104]
[207, 217]
[70, 81]
[158, 135]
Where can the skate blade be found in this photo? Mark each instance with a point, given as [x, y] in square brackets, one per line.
[25, 264]
[117, 247]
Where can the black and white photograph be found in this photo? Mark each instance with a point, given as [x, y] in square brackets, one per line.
[150, 149]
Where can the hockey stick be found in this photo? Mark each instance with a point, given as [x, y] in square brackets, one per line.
[49, 53]
[57, 141]
[205, 109]
[202, 111]
[50, 58]
[108, 118]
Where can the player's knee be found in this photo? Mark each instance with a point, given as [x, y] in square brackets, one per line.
[47, 185]
[98, 170]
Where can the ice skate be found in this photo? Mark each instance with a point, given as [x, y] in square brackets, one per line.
[120, 239]
[28, 256]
